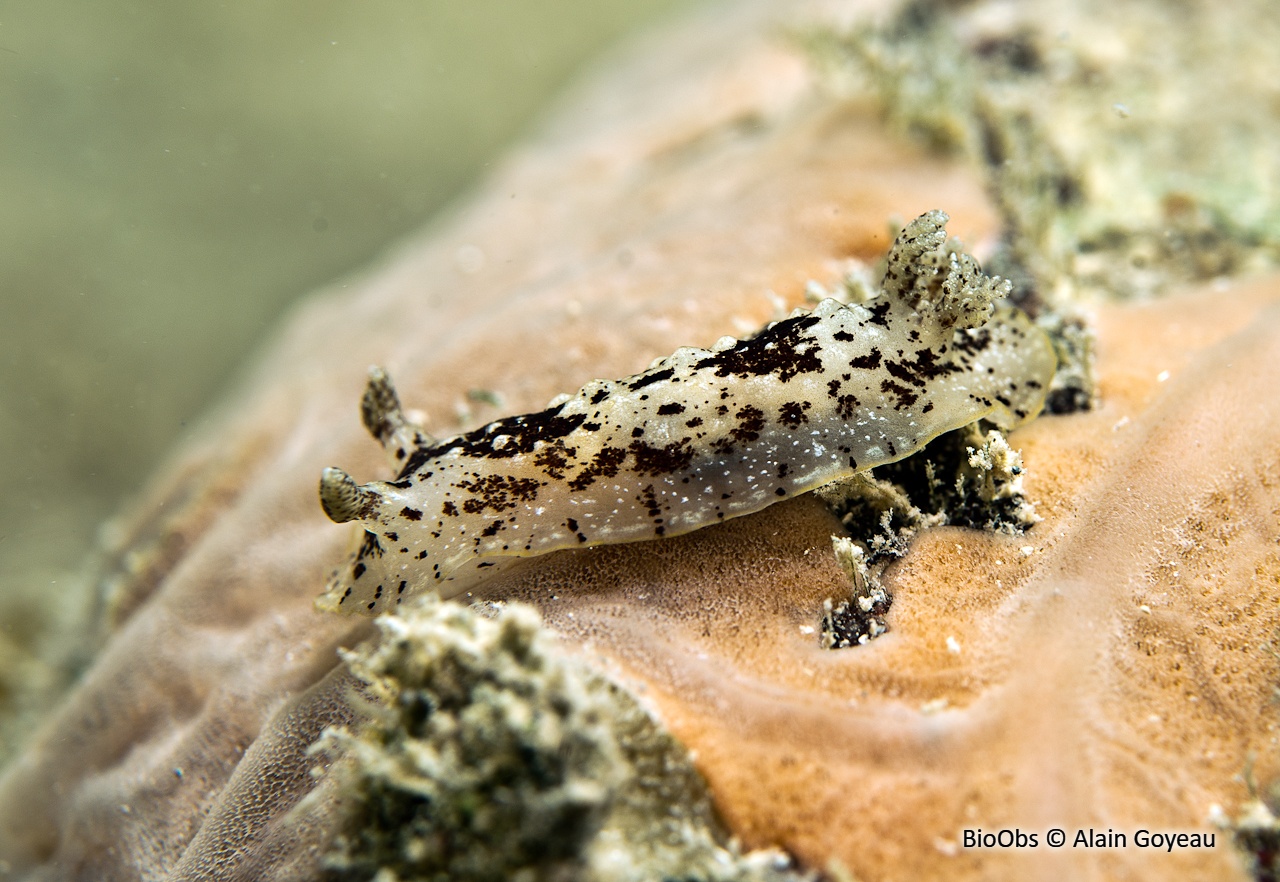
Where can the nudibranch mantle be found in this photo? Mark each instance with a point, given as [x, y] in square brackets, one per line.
[700, 437]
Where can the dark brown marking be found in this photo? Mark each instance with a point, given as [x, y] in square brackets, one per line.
[605, 464]
[783, 349]
[649, 498]
[973, 341]
[522, 434]
[792, 413]
[649, 378]
[847, 406]
[868, 362]
[926, 364]
[497, 493]
[904, 373]
[554, 458]
[879, 312]
[369, 547]
[666, 460]
[906, 397]
[750, 423]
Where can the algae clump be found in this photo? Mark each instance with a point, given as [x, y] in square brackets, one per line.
[489, 755]
[970, 477]
[1119, 165]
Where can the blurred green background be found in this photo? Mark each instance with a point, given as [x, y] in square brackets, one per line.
[172, 175]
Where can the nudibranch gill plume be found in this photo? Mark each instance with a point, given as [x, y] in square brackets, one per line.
[700, 437]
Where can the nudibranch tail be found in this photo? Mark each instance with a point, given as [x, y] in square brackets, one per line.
[700, 437]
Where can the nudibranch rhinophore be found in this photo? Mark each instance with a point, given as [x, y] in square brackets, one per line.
[700, 437]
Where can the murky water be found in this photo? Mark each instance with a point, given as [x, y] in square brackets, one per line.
[172, 176]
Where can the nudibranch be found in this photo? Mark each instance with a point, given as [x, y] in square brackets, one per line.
[700, 437]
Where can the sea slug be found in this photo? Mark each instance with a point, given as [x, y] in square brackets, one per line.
[700, 437]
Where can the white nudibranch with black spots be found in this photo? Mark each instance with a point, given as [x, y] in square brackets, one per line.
[700, 437]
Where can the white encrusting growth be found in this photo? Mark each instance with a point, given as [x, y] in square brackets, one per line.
[700, 437]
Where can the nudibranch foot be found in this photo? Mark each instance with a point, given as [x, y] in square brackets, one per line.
[702, 436]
